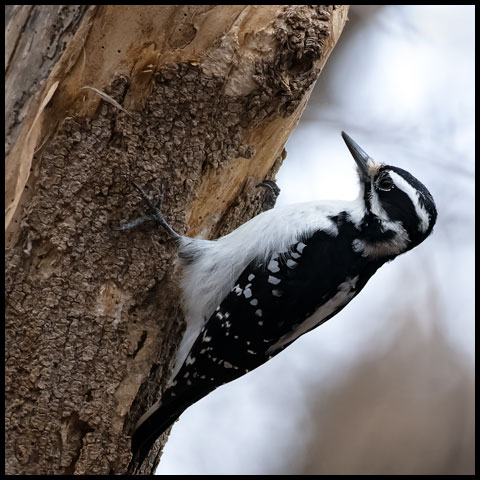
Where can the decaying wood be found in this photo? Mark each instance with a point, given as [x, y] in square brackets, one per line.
[199, 98]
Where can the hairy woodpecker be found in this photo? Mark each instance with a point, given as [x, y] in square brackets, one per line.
[250, 294]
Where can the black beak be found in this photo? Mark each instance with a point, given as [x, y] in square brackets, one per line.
[360, 157]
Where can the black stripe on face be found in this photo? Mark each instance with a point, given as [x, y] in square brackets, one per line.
[367, 194]
[425, 197]
[399, 206]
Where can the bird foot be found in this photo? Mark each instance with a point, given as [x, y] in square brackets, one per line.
[156, 215]
[273, 191]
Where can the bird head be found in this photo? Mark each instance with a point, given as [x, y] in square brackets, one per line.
[395, 199]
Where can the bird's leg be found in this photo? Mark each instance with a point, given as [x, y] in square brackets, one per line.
[156, 215]
[273, 191]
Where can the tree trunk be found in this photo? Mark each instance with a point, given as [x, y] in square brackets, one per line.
[200, 99]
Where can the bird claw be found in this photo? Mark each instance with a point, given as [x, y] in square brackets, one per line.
[273, 191]
[156, 215]
[147, 200]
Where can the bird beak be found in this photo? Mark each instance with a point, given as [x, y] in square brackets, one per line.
[363, 161]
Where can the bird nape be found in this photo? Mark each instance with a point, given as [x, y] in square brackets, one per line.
[250, 294]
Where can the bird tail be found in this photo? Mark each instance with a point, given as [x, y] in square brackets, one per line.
[147, 432]
[161, 419]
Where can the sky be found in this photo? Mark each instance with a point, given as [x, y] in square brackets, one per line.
[401, 83]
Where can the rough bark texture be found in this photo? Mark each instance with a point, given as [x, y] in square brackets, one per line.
[93, 315]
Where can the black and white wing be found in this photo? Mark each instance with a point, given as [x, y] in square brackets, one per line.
[271, 305]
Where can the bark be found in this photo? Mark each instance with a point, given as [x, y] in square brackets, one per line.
[200, 99]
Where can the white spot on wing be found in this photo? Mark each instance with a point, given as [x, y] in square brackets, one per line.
[273, 280]
[300, 247]
[273, 266]
[190, 360]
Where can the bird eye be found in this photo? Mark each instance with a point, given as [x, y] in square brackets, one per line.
[385, 184]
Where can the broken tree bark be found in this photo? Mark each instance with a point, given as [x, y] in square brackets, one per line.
[199, 98]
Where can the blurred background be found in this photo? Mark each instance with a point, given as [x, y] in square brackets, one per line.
[387, 386]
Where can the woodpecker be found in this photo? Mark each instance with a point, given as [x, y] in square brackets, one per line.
[250, 294]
